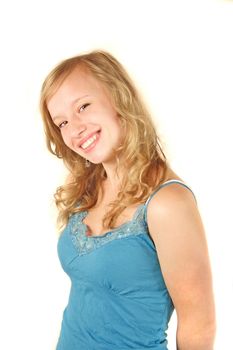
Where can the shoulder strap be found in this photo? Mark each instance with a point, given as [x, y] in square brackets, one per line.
[161, 186]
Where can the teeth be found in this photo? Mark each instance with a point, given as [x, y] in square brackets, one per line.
[89, 142]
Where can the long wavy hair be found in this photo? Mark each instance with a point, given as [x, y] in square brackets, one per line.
[140, 153]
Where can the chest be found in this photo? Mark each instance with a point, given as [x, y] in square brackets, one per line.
[94, 218]
[119, 257]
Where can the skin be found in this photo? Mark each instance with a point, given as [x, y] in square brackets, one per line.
[183, 255]
[174, 221]
[89, 116]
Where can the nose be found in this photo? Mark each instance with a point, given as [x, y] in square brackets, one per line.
[77, 128]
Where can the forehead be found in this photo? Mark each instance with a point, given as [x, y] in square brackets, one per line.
[81, 78]
[78, 83]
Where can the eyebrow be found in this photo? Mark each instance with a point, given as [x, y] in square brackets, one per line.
[72, 103]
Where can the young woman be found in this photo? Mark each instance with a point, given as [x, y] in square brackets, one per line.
[132, 240]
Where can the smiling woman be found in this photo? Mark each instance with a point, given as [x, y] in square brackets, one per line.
[132, 239]
[88, 122]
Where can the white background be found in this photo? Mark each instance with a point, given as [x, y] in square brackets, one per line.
[180, 55]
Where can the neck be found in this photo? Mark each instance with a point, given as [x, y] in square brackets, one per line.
[112, 183]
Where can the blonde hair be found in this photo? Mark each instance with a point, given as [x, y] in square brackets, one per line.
[140, 152]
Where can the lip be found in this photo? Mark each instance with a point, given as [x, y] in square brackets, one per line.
[86, 150]
[84, 139]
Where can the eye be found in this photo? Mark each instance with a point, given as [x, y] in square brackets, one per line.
[84, 107]
[61, 125]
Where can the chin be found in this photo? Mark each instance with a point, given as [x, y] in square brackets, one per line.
[102, 159]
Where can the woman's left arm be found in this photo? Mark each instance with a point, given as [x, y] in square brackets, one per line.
[176, 228]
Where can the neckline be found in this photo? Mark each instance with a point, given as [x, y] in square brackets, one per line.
[128, 222]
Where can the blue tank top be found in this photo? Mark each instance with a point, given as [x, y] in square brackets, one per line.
[118, 298]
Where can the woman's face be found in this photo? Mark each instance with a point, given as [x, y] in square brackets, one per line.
[83, 112]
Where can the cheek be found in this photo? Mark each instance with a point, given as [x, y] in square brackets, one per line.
[66, 138]
[68, 142]
[119, 128]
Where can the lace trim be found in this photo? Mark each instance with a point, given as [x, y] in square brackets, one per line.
[85, 244]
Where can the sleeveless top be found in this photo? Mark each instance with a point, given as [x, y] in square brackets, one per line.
[118, 298]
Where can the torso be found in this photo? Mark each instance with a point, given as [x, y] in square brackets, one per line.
[95, 215]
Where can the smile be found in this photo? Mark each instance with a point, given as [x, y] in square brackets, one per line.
[89, 142]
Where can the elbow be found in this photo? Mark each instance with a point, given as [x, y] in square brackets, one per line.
[196, 329]
[196, 337]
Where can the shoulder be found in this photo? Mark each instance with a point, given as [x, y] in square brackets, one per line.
[173, 191]
[171, 197]
[172, 208]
